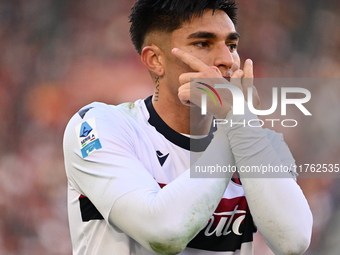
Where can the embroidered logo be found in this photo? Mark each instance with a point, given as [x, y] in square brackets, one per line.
[88, 137]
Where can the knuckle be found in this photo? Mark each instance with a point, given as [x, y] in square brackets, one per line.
[182, 79]
[205, 75]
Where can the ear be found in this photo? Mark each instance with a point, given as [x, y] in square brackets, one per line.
[152, 59]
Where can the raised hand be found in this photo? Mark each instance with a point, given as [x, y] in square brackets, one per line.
[203, 79]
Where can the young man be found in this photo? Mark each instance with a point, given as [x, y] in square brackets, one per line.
[128, 166]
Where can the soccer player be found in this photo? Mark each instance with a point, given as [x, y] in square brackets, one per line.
[128, 166]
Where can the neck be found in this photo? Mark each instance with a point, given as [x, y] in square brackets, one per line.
[181, 118]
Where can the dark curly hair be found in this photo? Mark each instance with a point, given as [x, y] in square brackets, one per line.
[168, 15]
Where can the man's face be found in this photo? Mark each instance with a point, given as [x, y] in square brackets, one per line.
[211, 38]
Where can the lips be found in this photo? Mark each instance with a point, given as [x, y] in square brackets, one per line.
[227, 77]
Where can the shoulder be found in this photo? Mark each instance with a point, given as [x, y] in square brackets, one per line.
[106, 120]
[105, 113]
[97, 109]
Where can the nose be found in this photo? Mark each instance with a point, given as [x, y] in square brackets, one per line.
[224, 60]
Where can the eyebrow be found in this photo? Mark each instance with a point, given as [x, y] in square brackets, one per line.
[234, 36]
[210, 35]
[202, 34]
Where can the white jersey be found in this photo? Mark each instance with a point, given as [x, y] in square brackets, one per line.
[137, 136]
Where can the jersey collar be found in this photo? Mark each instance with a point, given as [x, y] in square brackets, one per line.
[195, 145]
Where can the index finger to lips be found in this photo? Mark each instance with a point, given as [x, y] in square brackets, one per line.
[190, 60]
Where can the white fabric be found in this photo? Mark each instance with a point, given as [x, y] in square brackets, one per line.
[122, 176]
[281, 198]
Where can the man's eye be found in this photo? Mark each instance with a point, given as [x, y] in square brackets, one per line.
[202, 44]
[232, 47]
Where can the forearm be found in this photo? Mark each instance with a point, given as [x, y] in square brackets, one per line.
[165, 220]
[280, 212]
[278, 206]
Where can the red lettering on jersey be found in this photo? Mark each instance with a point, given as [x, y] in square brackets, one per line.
[227, 218]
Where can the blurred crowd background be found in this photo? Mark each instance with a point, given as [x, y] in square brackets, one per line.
[58, 55]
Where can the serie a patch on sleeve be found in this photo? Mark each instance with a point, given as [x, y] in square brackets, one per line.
[88, 137]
